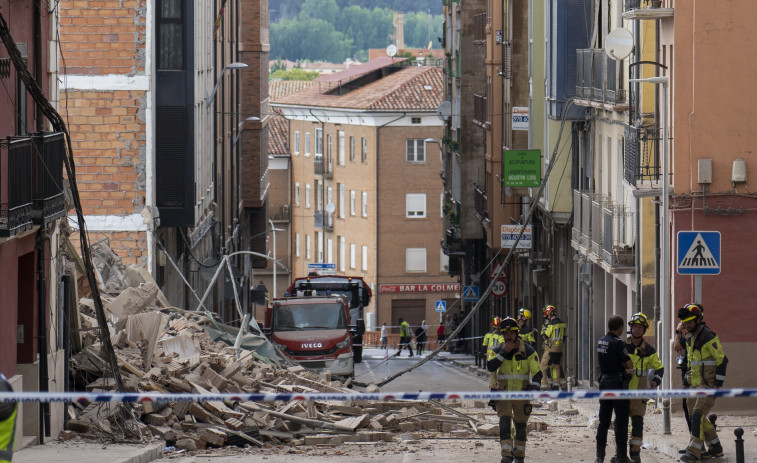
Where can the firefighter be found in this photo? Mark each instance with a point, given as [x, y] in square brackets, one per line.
[648, 371]
[527, 332]
[707, 365]
[517, 367]
[492, 340]
[553, 334]
[7, 423]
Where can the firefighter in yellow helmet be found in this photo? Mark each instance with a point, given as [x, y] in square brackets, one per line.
[553, 335]
[7, 423]
[517, 367]
[527, 332]
[491, 340]
[648, 371]
[707, 366]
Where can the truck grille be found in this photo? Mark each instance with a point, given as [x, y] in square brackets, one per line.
[313, 364]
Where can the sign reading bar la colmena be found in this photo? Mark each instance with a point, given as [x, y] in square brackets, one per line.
[521, 168]
[421, 288]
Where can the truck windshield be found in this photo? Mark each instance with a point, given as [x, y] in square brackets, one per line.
[301, 317]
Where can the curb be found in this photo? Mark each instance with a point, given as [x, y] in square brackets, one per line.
[149, 454]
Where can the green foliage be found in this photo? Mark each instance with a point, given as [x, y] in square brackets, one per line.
[277, 66]
[294, 74]
[334, 30]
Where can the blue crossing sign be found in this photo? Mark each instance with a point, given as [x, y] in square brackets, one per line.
[441, 306]
[698, 253]
[470, 293]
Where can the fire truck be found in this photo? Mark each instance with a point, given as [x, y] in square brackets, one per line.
[355, 289]
[314, 331]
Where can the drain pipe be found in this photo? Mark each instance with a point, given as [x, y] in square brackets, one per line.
[44, 408]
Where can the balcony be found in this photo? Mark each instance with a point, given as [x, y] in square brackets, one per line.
[47, 174]
[324, 220]
[646, 10]
[281, 214]
[480, 110]
[597, 80]
[618, 251]
[480, 203]
[15, 185]
[479, 29]
[322, 168]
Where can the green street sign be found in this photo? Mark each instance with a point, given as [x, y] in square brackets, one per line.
[521, 168]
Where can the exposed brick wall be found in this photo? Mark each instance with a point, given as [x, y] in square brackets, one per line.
[102, 37]
[108, 140]
[131, 247]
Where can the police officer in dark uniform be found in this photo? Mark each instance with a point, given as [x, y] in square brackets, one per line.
[614, 367]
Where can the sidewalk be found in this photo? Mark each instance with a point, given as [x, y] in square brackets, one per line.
[89, 452]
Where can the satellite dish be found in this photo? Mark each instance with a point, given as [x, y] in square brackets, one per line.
[330, 208]
[391, 50]
[619, 44]
[444, 111]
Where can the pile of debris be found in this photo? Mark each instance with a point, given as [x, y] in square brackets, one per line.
[164, 349]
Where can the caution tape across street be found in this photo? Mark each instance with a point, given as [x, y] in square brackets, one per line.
[83, 397]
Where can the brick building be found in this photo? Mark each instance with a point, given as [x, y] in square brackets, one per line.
[366, 195]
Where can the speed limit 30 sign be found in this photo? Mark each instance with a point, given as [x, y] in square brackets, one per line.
[500, 288]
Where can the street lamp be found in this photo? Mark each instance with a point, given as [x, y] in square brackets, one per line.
[239, 129]
[665, 309]
[232, 66]
[434, 140]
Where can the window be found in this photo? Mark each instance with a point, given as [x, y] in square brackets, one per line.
[415, 120]
[296, 142]
[297, 244]
[365, 259]
[415, 205]
[319, 244]
[341, 201]
[296, 193]
[307, 195]
[352, 255]
[342, 254]
[318, 195]
[365, 204]
[329, 159]
[365, 149]
[329, 251]
[170, 35]
[341, 148]
[352, 149]
[352, 202]
[307, 247]
[415, 151]
[415, 260]
[441, 205]
[443, 260]
[319, 142]
[307, 143]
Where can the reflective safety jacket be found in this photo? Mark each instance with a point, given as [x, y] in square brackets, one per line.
[554, 334]
[7, 434]
[707, 361]
[517, 370]
[491, 340]
[529, 336]
[404, 329]
[645, 359]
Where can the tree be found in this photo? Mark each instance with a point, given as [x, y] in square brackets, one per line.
[320, 9]
[278, 66]
[294, 74]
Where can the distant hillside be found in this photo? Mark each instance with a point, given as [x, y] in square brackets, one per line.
[334, 30]
[290, 9]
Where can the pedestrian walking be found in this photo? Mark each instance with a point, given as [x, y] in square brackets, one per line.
[384, 338]
[420, 338]
[405, 338]
[7, 423]
[554, 333]
[440, 334]
[647, 374]
[707, 366]
[517, 368]
[615, 367]
[527, 332]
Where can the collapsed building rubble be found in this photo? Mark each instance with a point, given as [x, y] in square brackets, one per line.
[164, 349]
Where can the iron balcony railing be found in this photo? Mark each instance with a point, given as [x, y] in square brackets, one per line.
[575, 237]
[47, 173]
[322, 167]
[324, 220]
[15, 185]
[480, 202]
[597, 77]
[281, 214]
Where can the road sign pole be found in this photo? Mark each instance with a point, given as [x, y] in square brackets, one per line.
[698, 289]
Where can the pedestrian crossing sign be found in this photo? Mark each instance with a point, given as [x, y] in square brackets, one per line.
[470, 293]
[698, 253]
[441, 306]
